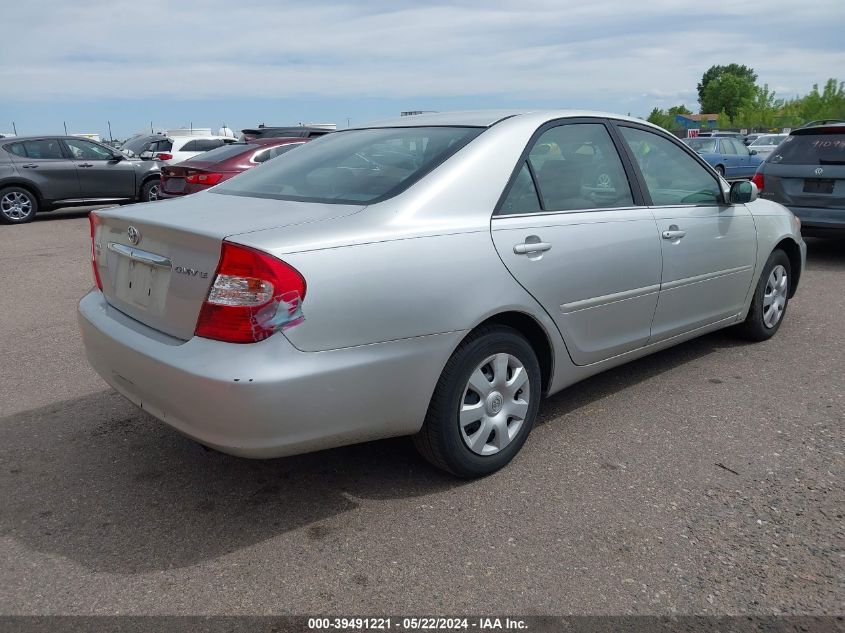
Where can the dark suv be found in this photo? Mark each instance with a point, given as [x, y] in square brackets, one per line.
[40, 173]
[807, 174]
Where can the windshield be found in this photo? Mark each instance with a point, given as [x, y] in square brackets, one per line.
[353, 167]
[701, 144]
[811, 149]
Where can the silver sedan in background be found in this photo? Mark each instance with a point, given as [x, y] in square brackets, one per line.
[766, 144]
[433, 276]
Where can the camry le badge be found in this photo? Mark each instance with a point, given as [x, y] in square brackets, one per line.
[134, 235]
[819, 171]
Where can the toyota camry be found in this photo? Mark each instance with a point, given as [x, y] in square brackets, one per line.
[433, 276]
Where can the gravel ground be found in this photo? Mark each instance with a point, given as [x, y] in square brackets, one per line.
[704, 479]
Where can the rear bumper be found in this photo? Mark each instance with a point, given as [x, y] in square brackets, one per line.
[818, 219]
[265, 399]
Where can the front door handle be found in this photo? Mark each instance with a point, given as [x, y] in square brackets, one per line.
[30, 166]
[86, 165]
[673, 233]
[531, 247]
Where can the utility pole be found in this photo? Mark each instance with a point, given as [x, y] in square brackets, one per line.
[65, 124]
[14, 128]
[111, 138]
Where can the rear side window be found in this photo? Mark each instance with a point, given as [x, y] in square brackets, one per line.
[353, 167]
[811, 149]
[576, 166]
[41, 149]
[160, 146]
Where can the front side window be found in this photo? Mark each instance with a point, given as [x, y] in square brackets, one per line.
[739, 147]
[727, 146]
[356, 166]
[85, 150]
[671, 175]
[576, 166]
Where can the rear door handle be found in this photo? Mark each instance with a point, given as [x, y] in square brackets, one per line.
[86, 165]
[30, 166]
[531, 247]
[673, 233]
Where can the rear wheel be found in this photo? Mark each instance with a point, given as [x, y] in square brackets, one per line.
[484, 404]
[771, 297]
[17, 205]
[149, 192]
[721, 170]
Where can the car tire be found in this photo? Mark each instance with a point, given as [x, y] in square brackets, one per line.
[721, 170]
[771, 298]
[149, 192]
[493, 375]
[17, 205]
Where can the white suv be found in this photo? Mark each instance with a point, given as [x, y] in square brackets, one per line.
[174, 149]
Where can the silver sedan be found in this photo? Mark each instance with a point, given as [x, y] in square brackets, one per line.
[434, 276]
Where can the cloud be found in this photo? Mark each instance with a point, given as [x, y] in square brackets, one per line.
[529, 50]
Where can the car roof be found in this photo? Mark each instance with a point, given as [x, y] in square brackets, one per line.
[487, 118]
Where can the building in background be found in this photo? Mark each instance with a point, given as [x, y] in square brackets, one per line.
[696, 121]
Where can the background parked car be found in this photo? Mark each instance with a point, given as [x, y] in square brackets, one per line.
[171, 149]
[40, 173]
[807, 174]
[210, 168]
[730, 157]
[764, 145]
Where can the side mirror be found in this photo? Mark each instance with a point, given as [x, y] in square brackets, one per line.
[743, 192]
[146, 155]
[118, 157]
[753, 152]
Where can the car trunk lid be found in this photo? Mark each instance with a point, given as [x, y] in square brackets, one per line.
[157, 261]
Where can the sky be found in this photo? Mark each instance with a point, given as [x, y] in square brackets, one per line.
[244, 62]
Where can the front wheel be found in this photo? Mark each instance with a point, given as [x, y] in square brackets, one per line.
[484, 404]
[771, 297]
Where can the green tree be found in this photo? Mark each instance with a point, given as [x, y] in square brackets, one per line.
[729, 93]
[761, 111]
[715, 72]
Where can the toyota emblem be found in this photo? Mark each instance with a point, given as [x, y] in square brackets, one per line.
[819, 171]
[134, 235]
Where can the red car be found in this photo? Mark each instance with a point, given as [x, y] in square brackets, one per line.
[215, 166]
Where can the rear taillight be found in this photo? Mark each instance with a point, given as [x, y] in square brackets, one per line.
[758, 179]
[204, 179]
[164, 156]
[94, 222]
[253, 295]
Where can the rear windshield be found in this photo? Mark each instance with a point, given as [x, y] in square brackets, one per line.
[353, 167]
[811, 149]
[226, 151]
[702, 144]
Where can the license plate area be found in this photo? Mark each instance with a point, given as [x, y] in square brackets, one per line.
[140, 279]
[819, 185]
[174, 185]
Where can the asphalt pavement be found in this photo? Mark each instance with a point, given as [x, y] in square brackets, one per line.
[703, 479]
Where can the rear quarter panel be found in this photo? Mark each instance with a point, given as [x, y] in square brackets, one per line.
[383, 291]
